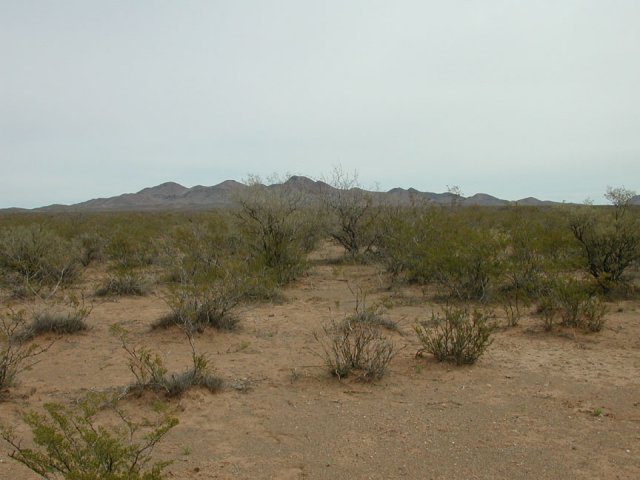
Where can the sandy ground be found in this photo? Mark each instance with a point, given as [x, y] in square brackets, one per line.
[525, 410]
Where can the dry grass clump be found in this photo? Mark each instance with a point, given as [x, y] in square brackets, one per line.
[55, 322]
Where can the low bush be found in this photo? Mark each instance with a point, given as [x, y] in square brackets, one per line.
[355, 348]
[62, 316]
[16, 355]
[456, 335]
[593, 314]
[131, 249]
[56, 322]
[124, 282]
[71, 443]
[150, 372]
[201, 306]
[372, 315]
[571, 301]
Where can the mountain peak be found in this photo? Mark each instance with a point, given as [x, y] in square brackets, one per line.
[165, 189]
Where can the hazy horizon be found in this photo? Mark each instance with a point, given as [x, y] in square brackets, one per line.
[510, 99]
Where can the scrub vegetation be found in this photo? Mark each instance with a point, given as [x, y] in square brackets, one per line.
[481, 270]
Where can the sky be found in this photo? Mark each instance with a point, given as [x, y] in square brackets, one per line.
[511, 98]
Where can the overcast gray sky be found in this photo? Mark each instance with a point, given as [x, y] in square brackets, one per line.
[512, 98]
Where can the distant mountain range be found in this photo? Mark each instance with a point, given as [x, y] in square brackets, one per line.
[173, 196]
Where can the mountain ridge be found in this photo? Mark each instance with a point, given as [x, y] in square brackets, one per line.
[174, 196]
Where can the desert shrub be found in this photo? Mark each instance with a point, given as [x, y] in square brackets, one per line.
[593, 314]
[548, 312]
[610, 239]
[449, 247]
[202, 304]
[150, 371]
[355, 348]
[91, 247]
[124, 282]
[63, 315]
[570, 300]
[212, 273]
[128, 249]
[406, 235]
[522, 265]
[56, 322]
[16, 355]
[351, 213]
[33, 257]
[465, 260]
[570, 294]
[372, 315]
[456, 335]
[278, 227]
[72, 443]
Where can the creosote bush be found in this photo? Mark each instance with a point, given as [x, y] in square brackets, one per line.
[204, 305]
[124, 282]
[33, 257]
[351, 213]
[355, 348]
[278, 226]
[73, 444]
[610, 239]
[456, 335]
[569, 300]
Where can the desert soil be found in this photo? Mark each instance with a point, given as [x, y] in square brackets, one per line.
[537, 405]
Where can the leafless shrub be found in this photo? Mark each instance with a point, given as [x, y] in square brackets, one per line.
[15, 354]
[352, 347]
[150, 371]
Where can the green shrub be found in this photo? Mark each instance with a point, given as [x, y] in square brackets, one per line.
[204, 305]
[124, 282]
[456, 335]
[593, 314]
[548, 311]
[277, 226]
[570, 300]
[570, 295]
[91, 247]
[610, 239]
[73, 444]
[33, 257]
[131, 249]
[450, 248]
[355, 348]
